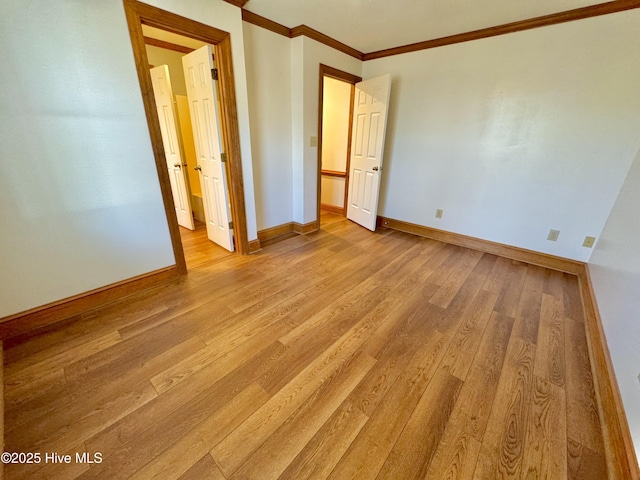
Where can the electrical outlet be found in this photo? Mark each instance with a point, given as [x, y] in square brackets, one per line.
[589, 241]
[553, 235]
[313, 141]
[439, 213]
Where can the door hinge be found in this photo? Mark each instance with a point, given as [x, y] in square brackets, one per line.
[223, 157]
[230, 225]
[214, 73]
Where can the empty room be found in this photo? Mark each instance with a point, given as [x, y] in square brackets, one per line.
[262, 239]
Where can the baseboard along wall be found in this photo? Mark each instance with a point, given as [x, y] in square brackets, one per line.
[332, 208]
[276, 234]
[515, 253]
[38, 317]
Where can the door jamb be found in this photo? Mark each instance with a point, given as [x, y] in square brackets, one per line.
[327, 71]
[137, 14]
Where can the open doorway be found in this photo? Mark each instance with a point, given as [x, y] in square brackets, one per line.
[165, 51]
[337, 89]
[139, 14]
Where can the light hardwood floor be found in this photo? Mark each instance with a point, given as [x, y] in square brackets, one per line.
[341, 354]
[198, 249]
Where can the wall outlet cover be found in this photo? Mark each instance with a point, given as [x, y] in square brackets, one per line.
[313, 141]
[553, 235]
[589, 242]
[439, 213]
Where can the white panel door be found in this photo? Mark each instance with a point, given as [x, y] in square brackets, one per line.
[370, 106]
[203, 107]
[172, 149]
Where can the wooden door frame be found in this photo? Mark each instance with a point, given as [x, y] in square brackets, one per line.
[327, 71]
[137, 14]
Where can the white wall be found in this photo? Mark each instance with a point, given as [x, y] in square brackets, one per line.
[517, 134]
[615, 272]
[80, 194]
[335, 124]
[332, 191]
[306, 57]
[268, 63]
[272, 75]
[298, 141]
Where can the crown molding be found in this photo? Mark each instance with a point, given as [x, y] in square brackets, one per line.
[614, 6]
[325, 39]
[537, 22]
[260, 21]
[300, 30]
[237, 3]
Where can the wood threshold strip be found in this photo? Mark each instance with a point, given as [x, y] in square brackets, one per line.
[154, 42]
[621, 458]
[48, 314]
[515, 253]
[537, 22]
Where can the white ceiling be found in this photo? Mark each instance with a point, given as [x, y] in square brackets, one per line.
[371, 25]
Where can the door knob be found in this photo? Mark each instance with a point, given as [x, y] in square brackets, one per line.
[197, 167]
[177, 165]
[375, 169]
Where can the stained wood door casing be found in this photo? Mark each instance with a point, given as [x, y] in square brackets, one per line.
[204, 110]
[367, 147]
[176, 163]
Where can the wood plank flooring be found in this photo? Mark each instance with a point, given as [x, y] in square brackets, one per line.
[198, 249]
[340, 354]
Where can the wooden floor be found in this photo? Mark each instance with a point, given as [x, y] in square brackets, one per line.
[340, 354]
[198, 249]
